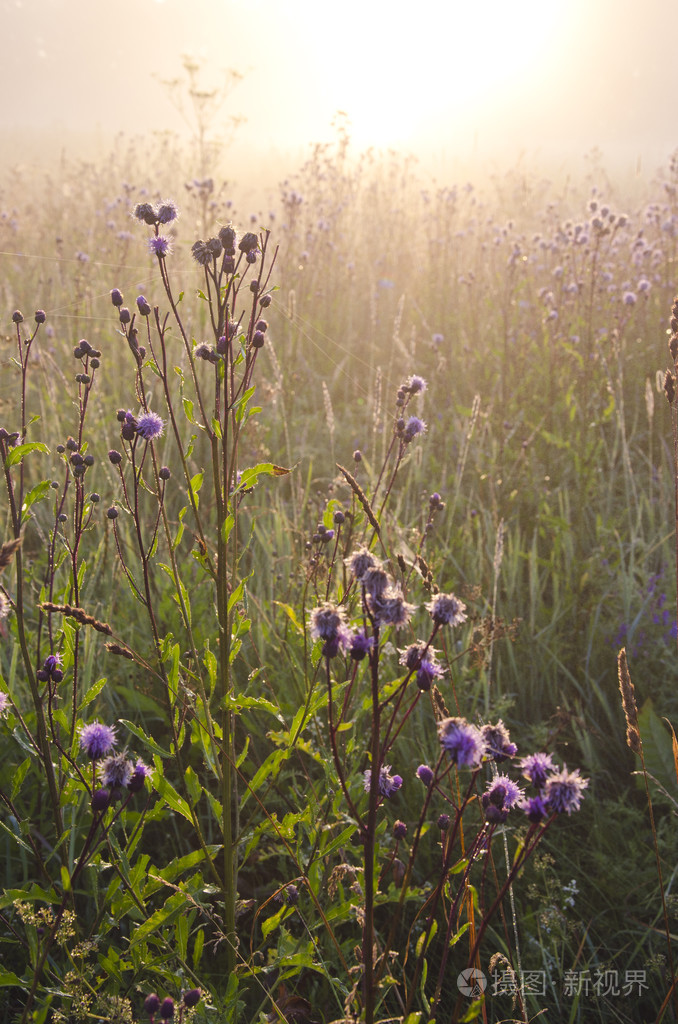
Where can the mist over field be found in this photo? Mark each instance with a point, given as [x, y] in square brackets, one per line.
[338, 461]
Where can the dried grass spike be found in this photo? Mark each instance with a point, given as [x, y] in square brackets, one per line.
[362, 498]
[628, 696]
[439, 708]
[8, 551]
[79, 614]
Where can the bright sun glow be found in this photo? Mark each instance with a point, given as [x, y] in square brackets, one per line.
[394, 68]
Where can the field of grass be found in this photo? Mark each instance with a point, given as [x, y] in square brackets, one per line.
[314, 505]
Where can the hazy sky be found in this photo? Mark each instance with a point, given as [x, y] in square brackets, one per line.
[547, 77]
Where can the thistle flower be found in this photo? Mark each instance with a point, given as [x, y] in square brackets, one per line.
[564, 791]
[428, 671]
[4, 702]
[411, 656]
[146, 213]
[167, 1008]
[375, 582]
[149, 426]
[501, 795]
[97, 739]
[329, 625]
[498, 745]
[447, 610]
[140, 773]
[360, 646]
[201, 252]
[463, 741]
[116, 771]
[167, 211]
[192, 997]
[160, 246]
[388, 784]
[425, 774]
[536, 768]
[535, 808]
[412, 429]
[415, 384]
[392, 609]
[249, 242]
[399, 830]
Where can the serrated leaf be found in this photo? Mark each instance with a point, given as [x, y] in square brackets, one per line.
[149, 743]
[93, 692]
[18, 453]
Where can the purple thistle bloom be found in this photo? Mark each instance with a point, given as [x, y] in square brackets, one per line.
[415, 384]
[360, 645]
[392, 609]
[116, 771]
[329, 625]
[360, 562]
[4, 702]
[498, 745]
[428, 671]
[149, 426]
[463, 741]
[167, 211]
[399, 829]
[388, 784]
[425, 774]
[501, 795]
[447, 610]
[160, 246]
[97, 739]
[375, 583]
[413, 428]
[411, 656]
[564, 791]
[535, 808]
[536, 768]
[140, 773]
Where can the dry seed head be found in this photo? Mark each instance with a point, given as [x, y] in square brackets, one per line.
[670, 386]
[628, 696]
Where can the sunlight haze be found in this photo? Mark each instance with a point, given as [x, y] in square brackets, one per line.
[449, 80]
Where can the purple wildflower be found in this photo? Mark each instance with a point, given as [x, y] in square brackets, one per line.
[399, 830]
[564, 791]
[4, 702]
[498, 745]
[463, 741]
[160, 246]
[447, 610]
[375, 582]
[360, 562]
[501, 795]
[425, 774]
[360, 645]
[149, 426]
[535, 808]
[140, 773]
[428, 671]
[116, 771]
[630, 298]
[412, 429]
[536, 768]
[415, 384]
[167, 211]
[388, 784]
[329, 625]
[97, 739]
[167, 1008]
[392, 609]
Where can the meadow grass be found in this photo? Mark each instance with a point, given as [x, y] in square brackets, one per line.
[255, 863]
